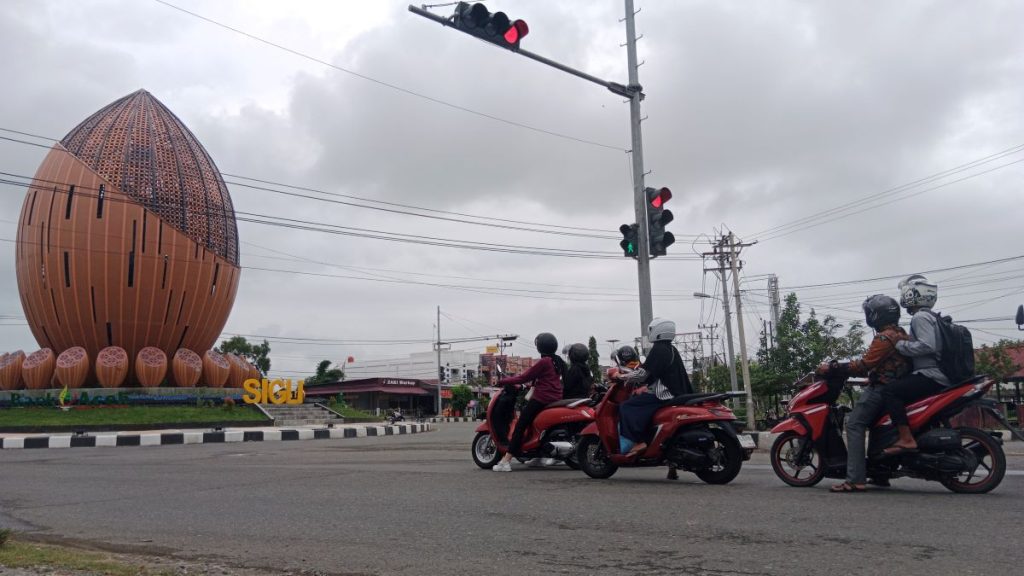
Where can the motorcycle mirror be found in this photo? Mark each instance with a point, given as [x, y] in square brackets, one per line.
[1020, 317]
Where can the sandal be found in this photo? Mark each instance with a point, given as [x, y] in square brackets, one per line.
[848, 487]
[897, 450]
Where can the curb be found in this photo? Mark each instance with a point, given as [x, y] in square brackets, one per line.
[451, 419]
[199, 437]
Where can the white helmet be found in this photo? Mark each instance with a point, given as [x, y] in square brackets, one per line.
[917, 292]
[661, 329]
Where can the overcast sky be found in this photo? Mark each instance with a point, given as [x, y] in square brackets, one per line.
[759, 114]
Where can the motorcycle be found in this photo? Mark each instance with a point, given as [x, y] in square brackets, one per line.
[810, 444]
[396, 416]
[553, 433]
[692, 432]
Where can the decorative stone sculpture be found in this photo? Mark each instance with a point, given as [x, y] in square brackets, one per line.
[72, 367]
[216, 369]
[187, 367]
[111, 366]
[37, 369]
[10, 371]
[237, 372]
[150, 367]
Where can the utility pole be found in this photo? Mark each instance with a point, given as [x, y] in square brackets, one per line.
[711, 338]
[438, 360]
[720, 255]
[733, 245]
[775, 303]
[643, 263]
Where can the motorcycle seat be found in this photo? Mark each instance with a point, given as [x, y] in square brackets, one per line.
[565, 402]
[689, 399]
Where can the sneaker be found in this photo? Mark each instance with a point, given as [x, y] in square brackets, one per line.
[536, 462]
[502, 467]
[549, 462]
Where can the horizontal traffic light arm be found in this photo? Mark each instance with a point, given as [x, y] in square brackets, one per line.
[614, 87]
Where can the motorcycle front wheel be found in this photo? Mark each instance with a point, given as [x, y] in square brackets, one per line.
[485, 452]
[796, 469]
[593, 458]
[991, 464]
[726, 459]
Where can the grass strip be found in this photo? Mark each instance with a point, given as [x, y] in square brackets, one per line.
[124, 415]
[15, 554]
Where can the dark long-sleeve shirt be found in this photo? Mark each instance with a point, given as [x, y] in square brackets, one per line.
[664, 373]
[577, 382]
[547, 386]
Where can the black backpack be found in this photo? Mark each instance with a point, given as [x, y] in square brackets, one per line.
[957, 358]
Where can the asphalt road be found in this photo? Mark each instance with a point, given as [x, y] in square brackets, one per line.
[418, 505]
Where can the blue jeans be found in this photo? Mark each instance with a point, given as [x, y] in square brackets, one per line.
[869, 407]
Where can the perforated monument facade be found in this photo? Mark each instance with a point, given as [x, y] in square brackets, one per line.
[127, 238]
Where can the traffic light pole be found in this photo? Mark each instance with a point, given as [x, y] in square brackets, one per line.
[643, 256]
[634, 92]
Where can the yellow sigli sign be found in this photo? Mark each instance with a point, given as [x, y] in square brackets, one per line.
[272, 391]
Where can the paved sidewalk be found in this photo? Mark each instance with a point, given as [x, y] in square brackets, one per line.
[204, 436]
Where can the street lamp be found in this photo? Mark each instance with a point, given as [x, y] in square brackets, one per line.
[703, 295]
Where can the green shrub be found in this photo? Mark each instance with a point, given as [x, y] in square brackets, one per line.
[5, 534]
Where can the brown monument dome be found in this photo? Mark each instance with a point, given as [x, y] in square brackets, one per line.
[127, 236]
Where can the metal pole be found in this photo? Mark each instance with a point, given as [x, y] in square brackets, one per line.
[743, 338]
[643, 264]
[733, 384]
[614, 87]
[438, 360]
[728, 323]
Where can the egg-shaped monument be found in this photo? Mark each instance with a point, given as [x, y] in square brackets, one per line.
[127, 237]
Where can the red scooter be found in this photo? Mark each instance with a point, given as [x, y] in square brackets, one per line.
[553, 434]
[967, 460]
[692, 432]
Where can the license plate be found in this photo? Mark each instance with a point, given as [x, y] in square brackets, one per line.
[746, 442]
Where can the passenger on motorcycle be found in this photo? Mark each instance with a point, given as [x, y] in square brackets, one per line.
[664, 375]
[546, 379]
[917, 295]
[883, 365]
[578, 382]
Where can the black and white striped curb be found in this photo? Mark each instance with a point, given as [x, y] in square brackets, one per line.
[452, 419]
[199, 437]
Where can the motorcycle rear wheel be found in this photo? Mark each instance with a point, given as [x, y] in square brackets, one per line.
[991, 459]
[485, 452]
[729, 461]
[783, 455]
[593, 458]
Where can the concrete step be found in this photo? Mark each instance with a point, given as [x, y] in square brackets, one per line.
[302, 422]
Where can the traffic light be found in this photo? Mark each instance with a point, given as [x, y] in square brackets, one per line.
[657, 219]
[629, 239]
[495, 28]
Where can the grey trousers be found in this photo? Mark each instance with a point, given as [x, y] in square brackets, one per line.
[869, 407]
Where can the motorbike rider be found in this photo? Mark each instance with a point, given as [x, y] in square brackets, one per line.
[545, 377]
[883, 365]
[917, 295]
[578, 381]
[664, 375]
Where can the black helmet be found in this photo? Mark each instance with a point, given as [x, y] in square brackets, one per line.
[579, 353]
[546, 343]
[880, 311]
[626, 354]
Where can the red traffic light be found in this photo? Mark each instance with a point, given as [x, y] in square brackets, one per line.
[516, 32]
[660, 197]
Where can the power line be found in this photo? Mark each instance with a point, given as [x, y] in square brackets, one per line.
[776, 231]
[337, 229]
[392, 86]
